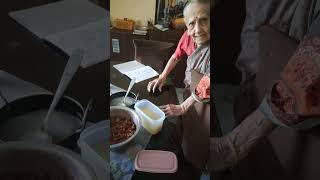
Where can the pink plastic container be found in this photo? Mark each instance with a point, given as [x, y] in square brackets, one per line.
[155, 161]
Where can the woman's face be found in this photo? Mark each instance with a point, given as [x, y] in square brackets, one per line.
[197, 20]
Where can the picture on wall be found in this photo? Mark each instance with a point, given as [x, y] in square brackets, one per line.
[169, 10]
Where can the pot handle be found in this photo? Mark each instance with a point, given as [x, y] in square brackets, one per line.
[136, 98]
[84, 117]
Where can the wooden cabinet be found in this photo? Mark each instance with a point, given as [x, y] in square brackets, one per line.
[121, 41]
[168, 36]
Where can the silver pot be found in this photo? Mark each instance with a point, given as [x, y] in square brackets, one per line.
[25, 160]
[27, 113]
[116, 99]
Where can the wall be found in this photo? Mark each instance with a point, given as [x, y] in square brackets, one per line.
[138, 10]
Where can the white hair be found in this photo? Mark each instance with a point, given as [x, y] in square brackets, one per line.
[206, 4]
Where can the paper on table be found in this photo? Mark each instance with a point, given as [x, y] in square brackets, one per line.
[128, 66]
[137, 70]
[115, 89]
[13, 88]
[92, 37]
[59, 16]
[86, 27]
[142, 74]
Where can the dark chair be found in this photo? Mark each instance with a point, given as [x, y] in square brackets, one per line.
[153, 53]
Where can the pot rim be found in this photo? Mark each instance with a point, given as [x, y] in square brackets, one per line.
[47, 94]
[60, 152]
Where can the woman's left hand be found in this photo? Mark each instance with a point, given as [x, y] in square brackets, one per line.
[171, 110]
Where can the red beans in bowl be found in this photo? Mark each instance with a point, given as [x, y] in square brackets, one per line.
[122, 128]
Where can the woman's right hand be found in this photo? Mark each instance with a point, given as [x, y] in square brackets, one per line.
[171, 110]
[159, 82]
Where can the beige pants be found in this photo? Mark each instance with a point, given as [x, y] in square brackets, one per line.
[194, 132]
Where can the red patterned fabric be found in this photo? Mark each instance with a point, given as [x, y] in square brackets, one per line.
[203, 88]
[297, 94]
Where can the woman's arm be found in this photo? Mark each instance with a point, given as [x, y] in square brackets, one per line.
[159, 82]
[172, 62]
[187, 104]
[178, 110]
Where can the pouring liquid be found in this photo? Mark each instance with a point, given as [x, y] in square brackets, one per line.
[119, 101]
[60, 125]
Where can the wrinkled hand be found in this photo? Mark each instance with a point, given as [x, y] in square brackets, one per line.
[171, 110]
[159, 82]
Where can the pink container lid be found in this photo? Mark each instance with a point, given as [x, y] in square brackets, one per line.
[156, 161]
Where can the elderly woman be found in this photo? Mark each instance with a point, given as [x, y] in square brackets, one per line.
[293, 103]
[293, 100]
[195, 43]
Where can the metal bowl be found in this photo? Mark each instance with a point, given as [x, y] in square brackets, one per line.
[142, 28]
[25, 115]
[26, 160]
[125, 111]
[116, 99]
